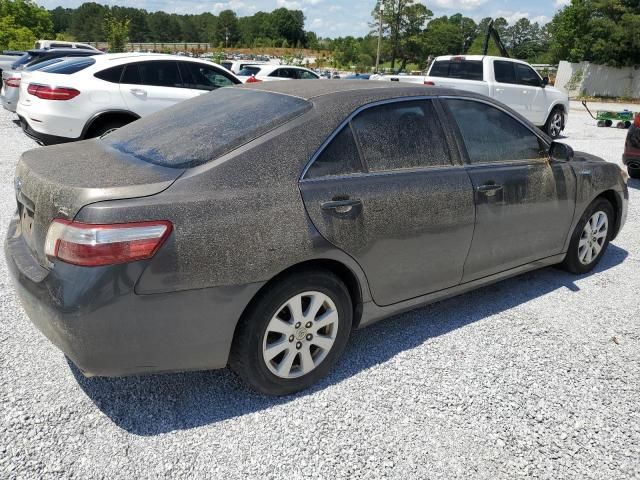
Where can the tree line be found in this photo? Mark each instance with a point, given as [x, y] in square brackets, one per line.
[600, 31]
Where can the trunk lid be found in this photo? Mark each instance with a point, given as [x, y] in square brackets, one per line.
[57, 181]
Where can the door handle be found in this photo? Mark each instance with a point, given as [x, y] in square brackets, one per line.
[489, 190]
[498, 90]
[138, 91]
[341, 206]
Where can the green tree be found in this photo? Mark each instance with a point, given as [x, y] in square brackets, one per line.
[117, 30]
[26, 14]
[14, 37]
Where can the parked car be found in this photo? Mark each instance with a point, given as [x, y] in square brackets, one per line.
[194, 238]
[238, 65]
[513, 82]
[631, 156]
[358, 76]
[42, 55]
[84, 98]
[53, 44]
[10, 92]
[268, 73]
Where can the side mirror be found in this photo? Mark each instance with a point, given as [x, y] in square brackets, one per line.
[561, 151]
[545, 82]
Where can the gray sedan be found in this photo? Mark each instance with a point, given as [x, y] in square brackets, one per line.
[256, 227]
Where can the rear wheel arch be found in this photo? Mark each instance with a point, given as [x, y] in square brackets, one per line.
[110, 116]
[338, 269]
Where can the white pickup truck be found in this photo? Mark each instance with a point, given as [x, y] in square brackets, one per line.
[512, 82]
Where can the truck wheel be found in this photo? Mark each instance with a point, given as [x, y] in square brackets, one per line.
[554, 126]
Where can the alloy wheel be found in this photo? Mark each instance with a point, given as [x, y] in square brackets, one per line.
[555, 126]
[300, 335]
[593, 238]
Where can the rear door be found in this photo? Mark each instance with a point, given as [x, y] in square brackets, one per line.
[507, 89]
[525, 201]
[535, 96]
[153, 85]
[388, 190]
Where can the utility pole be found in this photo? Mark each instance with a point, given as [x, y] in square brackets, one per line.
[379, 37]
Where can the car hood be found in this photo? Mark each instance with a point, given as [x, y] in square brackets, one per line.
[56, 182]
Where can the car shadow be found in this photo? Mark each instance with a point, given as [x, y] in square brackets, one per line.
[154, 404]
[633, 183]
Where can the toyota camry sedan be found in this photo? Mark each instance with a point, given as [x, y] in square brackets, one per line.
[257, 226]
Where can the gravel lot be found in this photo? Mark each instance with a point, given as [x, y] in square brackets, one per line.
[536, 376]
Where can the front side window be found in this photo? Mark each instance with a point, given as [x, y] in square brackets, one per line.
[491, 135]
[203, 77]
[401, 135]
[340, 157]
[163, 73]
[527, 76]
[505, 73]
[304, 75]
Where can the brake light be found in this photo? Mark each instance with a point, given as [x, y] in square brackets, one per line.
[636, 122]
[252, 79]
[47, 92]
[431, 84]
[91, 245]
[12, 82]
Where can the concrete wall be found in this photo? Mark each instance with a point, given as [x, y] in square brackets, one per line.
[599, 80]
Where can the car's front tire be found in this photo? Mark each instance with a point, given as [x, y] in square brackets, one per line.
[554, 125]
[293, 333]
[590, 238]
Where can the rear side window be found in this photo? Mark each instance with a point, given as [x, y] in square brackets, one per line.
[202, 129]
[491, 135]
[248, 71]
[131, 74]
[401, 135]
[68, 67]
[458, 68]
[340, 157]
[161, 73]
[527, 76]
[112, 74]
[203, 77]
[504, 71]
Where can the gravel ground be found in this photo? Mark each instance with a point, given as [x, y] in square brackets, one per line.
[536, 376]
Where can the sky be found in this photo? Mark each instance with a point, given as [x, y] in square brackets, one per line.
[334, 18]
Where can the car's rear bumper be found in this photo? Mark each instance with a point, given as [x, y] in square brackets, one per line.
[42, 138]
[95, 317]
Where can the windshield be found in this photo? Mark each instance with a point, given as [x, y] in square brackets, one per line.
[248, 71]
[23, 60]
[204, 128]
[458, 68]
[46, 63]
[69, 66]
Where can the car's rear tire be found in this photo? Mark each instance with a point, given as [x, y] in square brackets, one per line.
[103, 127]
[293, 333]
[590, 238]
[554, 125]
[633, 169]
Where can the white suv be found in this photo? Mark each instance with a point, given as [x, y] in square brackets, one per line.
[86, 97]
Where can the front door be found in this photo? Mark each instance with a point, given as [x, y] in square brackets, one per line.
[525, 202]
[387, 192]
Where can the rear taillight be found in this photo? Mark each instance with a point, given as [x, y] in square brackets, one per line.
[431, 84]
[636, 122]
[47, 92]
[95, 245]
[252, 79]
[12, 82]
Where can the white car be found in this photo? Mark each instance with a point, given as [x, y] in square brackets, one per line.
[512, 82]
[50, 44]
[267, 73]
[86, 97]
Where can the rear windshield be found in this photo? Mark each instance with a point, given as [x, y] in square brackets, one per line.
[39, 65]
[458, 68]
[206, 127]
[23, 60]
[248, 71]
[70, 66]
